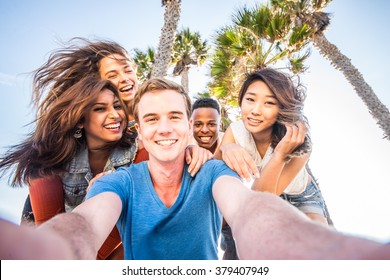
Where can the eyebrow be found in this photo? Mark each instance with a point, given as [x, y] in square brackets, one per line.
[125, 67]
[106, 103]
[268, 95]
[99, 103]
[111, 71]
[155, 114]
[209, 121]
[176, 113]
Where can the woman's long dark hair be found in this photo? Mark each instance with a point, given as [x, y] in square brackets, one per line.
[49, 149]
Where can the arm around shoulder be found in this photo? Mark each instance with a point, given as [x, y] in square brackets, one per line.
[227, 138]
[235, 156]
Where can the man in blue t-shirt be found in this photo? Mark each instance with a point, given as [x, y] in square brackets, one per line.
[161, 211]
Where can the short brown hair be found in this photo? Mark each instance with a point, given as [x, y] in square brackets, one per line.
[160, 84]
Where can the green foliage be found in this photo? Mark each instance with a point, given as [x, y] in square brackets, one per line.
[263, 36]
[297, 62]
[188, 49]
[256, 39]
[144, 61]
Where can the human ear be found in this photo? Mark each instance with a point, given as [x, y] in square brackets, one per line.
[138, 128]
[190, 124]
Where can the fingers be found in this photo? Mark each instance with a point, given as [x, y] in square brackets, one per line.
[93, 180]
[196, 157]
[302, 132]
[209, 155]
[188, 155]
[240, 161]
[298, 133]
[243, 164]
[294, 137]
[193, 157]
[252, 167]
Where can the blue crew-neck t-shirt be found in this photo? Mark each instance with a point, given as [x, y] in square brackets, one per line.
[189, 229]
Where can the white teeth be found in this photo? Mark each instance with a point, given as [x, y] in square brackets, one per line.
[113, 126]
[165, 142]
[205, 138]
[253, 120]
[127, 88]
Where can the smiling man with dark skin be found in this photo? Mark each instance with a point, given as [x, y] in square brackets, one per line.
[206, 119]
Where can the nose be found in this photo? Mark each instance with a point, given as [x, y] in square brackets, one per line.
[257, 109]
[113, 114]
[164, 126]
[124, 77]
[204, 128]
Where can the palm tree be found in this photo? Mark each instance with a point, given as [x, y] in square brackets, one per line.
[310, 13]
[189, 49]
[144, 61]
[258, 37]
[167, 37]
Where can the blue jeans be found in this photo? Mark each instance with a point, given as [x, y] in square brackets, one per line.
[227, 244]
[309, 201]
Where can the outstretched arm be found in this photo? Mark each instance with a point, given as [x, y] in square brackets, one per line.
[101, 213]
[84, 230]
[266, 227]
[26, 243]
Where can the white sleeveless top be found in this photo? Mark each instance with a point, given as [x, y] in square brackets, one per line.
[245, 139]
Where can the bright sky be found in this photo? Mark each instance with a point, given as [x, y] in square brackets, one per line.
[350, 158]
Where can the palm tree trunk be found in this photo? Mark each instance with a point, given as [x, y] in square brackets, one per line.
[167, 38]
[184, 79]
[376, 108]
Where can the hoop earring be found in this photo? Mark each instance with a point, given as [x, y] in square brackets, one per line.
[78, 133]
[131, 126]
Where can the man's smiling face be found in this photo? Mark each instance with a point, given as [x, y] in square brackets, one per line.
[163, 126]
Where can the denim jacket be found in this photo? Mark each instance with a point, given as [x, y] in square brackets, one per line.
[76, 179]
